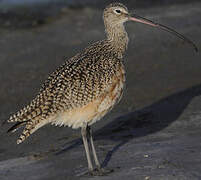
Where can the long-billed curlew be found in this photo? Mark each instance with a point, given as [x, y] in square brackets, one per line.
[87, 86]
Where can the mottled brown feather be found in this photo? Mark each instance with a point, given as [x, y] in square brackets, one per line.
[80, 83]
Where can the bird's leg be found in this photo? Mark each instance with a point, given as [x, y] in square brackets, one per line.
[99, 171]
[86, 146]
[89, 132]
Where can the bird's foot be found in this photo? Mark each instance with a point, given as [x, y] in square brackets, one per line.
[94, 172]
[100, 172]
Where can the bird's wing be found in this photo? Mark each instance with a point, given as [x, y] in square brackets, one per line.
[74, 84]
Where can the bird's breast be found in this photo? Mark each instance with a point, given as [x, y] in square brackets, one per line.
[95, 110]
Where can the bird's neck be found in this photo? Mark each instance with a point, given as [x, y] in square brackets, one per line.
[118, 38]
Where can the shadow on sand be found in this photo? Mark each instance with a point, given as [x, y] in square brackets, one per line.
[142, 122]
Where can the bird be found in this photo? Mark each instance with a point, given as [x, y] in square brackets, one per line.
[87, 86]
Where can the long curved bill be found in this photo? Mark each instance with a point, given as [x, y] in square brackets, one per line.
[139, 19]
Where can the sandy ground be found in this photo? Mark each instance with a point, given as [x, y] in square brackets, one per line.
[154, 133]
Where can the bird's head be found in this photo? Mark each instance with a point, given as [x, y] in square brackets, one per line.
[116, 14]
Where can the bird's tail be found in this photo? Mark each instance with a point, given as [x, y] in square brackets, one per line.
[16, 126]
[31, 116]
[26, 132]
[30, 127]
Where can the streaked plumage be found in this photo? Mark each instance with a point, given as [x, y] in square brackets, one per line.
[83, 89]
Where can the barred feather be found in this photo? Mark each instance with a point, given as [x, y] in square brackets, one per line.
[85, 78]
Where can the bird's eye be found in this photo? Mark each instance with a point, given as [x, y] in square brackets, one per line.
[117, 11]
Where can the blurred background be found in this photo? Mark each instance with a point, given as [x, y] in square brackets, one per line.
[153, 133]
[23, 13]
